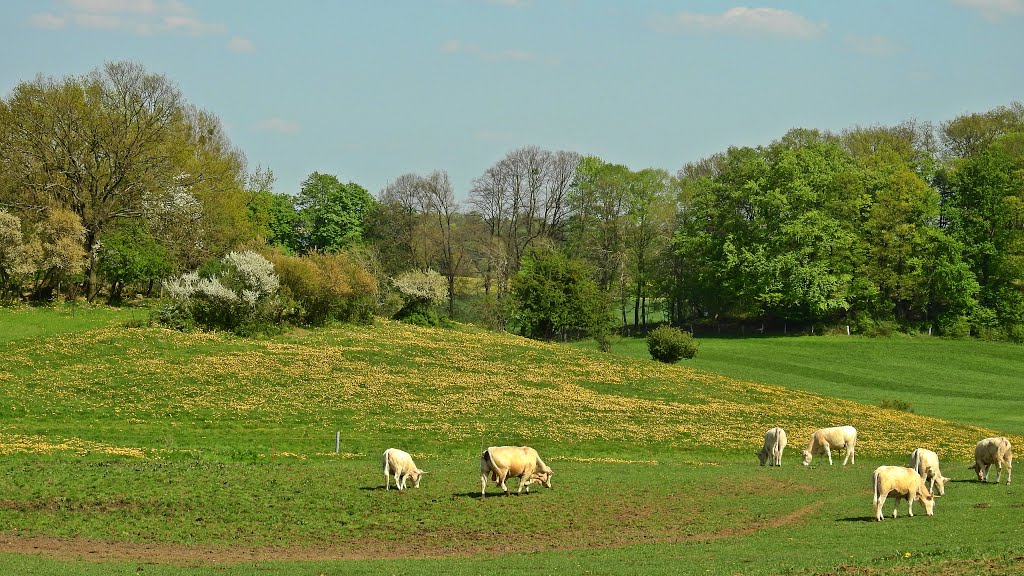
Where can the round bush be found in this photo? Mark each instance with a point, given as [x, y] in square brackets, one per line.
[669, 345]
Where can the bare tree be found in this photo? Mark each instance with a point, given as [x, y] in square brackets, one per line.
[522, 197]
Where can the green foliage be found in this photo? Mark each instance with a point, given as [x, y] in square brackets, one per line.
[326, 287]
[277, 220]
[331, 214]
[129, 254]
[553, 295]
[670, 345]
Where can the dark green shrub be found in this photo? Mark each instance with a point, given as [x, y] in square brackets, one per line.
[955, 327]
[897, 405]
[669, 345]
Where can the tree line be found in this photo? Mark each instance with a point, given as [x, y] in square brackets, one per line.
[111, 181]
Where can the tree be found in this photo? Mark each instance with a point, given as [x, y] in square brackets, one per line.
[553, 296]
[437, 200]
[332, 214]
[130, 254]
[521, 198]
[113, 144]
[15, 260]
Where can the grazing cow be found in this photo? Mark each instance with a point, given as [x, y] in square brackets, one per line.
[926, 463]
[399, 463]
[502, 462]
[900, 482]
[774, 444]
[993, 451]
[825, 440]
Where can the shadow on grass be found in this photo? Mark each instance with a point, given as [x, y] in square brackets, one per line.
[857, 519]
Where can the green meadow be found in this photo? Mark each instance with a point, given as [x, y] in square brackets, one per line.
[142, 450]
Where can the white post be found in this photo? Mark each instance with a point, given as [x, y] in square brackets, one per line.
[337, 442]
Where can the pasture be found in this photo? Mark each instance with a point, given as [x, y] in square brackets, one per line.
[952, 379]
[127, 450]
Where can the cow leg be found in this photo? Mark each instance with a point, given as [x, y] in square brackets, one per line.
[910, 505]
[849, 455]
[828, 450]
[879, 506]
[895, 505]
[1009, 470]
[985, 477]
[502, 474]
[387, 481]
[483, 485]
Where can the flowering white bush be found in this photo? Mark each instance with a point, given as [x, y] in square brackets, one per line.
[426, 286]
[243, 295]
[251, 273]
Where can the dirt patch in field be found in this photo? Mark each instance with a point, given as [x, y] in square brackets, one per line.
[426, 545]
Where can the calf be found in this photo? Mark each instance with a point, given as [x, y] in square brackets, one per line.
[926, 463]
[900, 482]
[774, 444]
[399, 463]
[823, 441]
[993, 451]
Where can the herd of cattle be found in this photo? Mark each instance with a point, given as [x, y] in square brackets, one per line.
[916, 481]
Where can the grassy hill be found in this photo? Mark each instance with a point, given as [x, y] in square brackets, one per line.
[205, 453]
[968, 381]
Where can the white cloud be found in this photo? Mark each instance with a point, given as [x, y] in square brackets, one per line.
[48, 21]
[191, 25]
[241, 45]
[278, 125]
[872, 45]
[993, 10]
[460, 47]
[743, 20]
[135, 16]
[123, 6]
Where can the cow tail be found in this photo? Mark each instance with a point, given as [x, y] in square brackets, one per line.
[387, 467]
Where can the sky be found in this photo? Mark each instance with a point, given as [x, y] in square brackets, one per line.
[371, 90]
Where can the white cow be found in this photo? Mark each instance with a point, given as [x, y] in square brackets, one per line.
[399, 463]
[823, 441]
[900, 482]
[774, 444]
[502, 462]
[993, 451]
[926, 463]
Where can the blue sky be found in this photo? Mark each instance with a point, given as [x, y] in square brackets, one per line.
[369, 90]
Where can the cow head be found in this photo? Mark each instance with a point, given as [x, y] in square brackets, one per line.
[978, 470]
[416, 477]
[807, 457]
[926, 498]
[762, 456]
[543, 477]
[940, 481]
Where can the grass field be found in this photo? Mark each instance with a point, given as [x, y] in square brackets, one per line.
[953, 379]
[145, 450]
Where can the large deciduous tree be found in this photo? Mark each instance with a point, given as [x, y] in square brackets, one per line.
[332, 214]
[117, 143]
